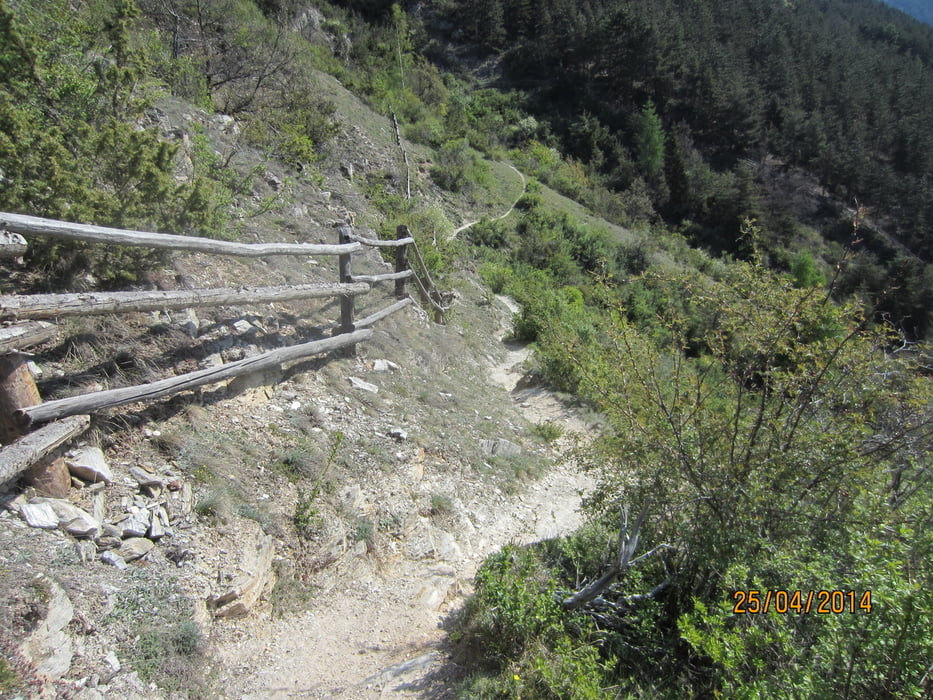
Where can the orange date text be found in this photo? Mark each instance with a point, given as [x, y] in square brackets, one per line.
[753, 602]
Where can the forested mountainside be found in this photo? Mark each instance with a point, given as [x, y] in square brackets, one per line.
[722, 250]
[917, 9]
[634, 90]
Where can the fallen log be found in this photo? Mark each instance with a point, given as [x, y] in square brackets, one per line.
[19, 456]
[92, 303]
[25, 335]
[89, 403]
[37, 226]
[12, 245]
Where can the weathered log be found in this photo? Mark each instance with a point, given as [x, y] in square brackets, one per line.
[59, 305]
[379, 243]
[379, 315]
[33, 447]
[372, 279]
[628, 543]
[25, 335]
[401, 259]
[36, 226]
[89, 403]
[12, 245]
[17, 390]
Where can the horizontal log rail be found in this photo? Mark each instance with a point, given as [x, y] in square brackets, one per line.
[381, 314]
[379, 243]
[25, 335]
[22, 408]
[37, 226]
[95, 303]
[99, 400]
[18, 456]
[405, 274]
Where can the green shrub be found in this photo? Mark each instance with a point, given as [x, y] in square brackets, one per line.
[548, 431]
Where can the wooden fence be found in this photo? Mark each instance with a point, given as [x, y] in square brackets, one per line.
[32, 450]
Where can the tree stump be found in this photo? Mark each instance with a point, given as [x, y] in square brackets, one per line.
[18, 390]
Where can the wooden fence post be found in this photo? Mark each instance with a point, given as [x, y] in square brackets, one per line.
[346, 301]
[18, 390]
[401, 260]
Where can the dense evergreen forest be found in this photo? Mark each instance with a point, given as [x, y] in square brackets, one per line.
[634, 90]
[747, 315]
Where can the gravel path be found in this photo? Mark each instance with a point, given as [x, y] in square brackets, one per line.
[379, 631]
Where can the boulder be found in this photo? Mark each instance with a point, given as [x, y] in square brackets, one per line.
[135, 525]
[72, 519]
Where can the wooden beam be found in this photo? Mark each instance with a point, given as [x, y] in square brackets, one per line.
[89, 403]
[25, 335]
[382, 278]
[36, 226]
[379, 243]
[91, 303]
[379, 315]
[12, 245]
[33, 447]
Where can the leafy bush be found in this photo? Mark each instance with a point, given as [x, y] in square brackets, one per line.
[458, 168]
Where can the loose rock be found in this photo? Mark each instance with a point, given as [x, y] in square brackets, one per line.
[39, 515]
[136, 548]
[89, 464]
[365, 386]
[114, 559]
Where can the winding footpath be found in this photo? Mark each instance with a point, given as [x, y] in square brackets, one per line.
[464, 227]
[380, 631]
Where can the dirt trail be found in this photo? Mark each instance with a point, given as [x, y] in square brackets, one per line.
[379, 630]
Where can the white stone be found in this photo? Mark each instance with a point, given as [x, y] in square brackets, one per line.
[385, 366]
[136, 525]
[365, 386]
[74, 520]
[89, 464]
[39, 515]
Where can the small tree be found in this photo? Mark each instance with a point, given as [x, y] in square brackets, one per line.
[649, 143]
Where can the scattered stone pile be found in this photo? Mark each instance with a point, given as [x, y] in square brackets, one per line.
[113, 530]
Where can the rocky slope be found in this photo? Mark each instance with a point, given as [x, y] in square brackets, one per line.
[308, 532]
